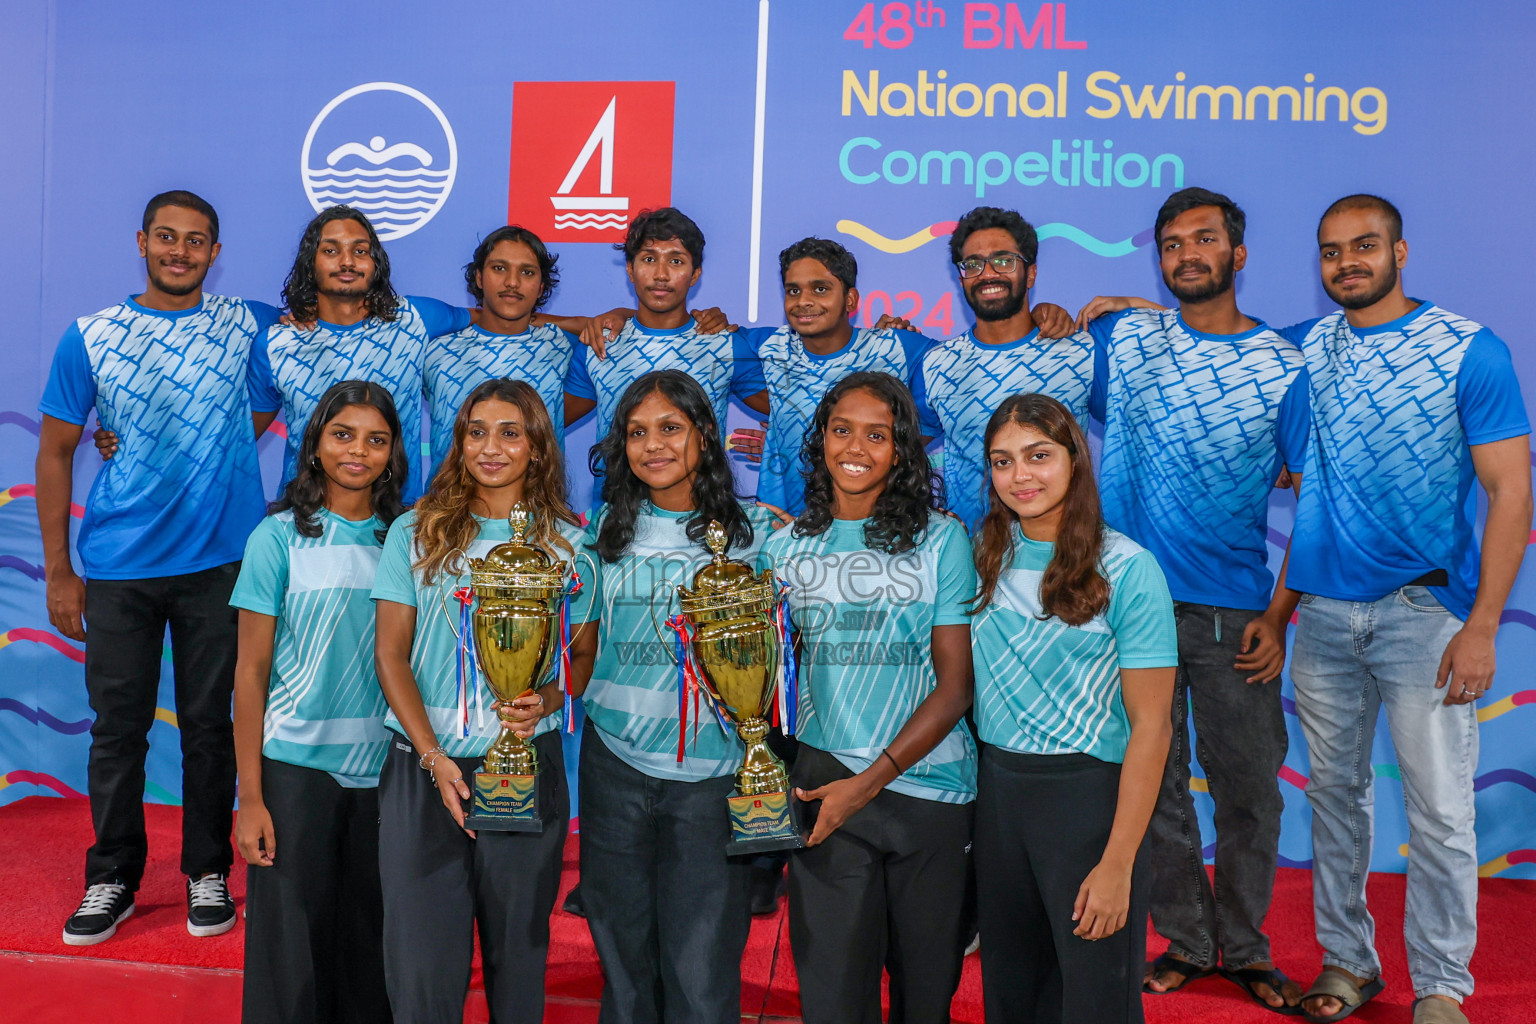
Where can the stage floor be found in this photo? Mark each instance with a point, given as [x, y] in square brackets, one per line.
[153, 971]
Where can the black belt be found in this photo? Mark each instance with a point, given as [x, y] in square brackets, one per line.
[1433, 578]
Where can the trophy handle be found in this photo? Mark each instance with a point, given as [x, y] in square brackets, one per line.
[667, 642]
[563, 645]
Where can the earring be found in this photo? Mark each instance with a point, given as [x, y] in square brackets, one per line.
[388, 475]
[314, 460]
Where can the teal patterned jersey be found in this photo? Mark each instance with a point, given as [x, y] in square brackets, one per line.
[866, 620]
[1044, 687]
[324, 706]
[633, 698]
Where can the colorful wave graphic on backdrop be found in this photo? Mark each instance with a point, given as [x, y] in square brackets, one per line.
[943, 229]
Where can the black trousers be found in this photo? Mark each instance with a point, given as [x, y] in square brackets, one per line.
[887, 890]
[667, 908]
[439, 884]
[125, 634]
[314, 920]
[1042, 822]
[1240, 740]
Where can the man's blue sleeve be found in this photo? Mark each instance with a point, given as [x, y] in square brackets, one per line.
[266, 315]
[1294, 422]
[1488, 392]
[71, 392]
[439, 317]
[1297, 333]
[260, 383]
[927, 419]
[577, 381]
[747, 374]
[1102, 329]
[914, 345]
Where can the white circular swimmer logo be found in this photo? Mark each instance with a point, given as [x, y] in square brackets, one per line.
[385, 149]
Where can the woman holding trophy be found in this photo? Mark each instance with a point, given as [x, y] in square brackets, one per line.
[501, 487]
[667, 909]
[879, 578]
[309, 720]
[1075, 659]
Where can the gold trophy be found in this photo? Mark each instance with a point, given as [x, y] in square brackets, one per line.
[736, 648]
[519, 589]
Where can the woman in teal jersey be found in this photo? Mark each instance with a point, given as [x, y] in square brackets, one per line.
[879, 577]
[1075, 659]
[440, 880]
[667, 909]
[309, 720]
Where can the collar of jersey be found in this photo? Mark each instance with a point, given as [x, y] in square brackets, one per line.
[822, 357]
[166, 314]
[363, 324]
[520, 336]
[1024, 543]
[1259, 326]
[1393, 325]
[1029, 339]
[651, 509]
[661, 332]
[371, 523]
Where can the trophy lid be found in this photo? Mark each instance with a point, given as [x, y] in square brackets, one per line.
[516, 555]
[721, 573]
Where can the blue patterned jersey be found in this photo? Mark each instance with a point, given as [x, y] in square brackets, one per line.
[1195, 427]
[796, 380]
[457, 363]
[722, 363]
[1044, 687]
[632, 698]
[961, 384]
[184, 489]
[294, 368]
[1387, 496]
[434, 648]
[866, 622]
[324, 706]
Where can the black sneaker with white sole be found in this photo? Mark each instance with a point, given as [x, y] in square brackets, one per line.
[210, 908]
[106, 905]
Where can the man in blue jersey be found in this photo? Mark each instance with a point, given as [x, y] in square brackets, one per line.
[1197, 405]
[347, 323]
[512, 275]
[1410, 404]
[664, 256]
[817, 347]
[962, 380]
[161, 540]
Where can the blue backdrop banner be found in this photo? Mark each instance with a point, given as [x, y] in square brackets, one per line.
[875, 124]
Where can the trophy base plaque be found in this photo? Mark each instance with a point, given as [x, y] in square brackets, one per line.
[504, 803]
[764, 822]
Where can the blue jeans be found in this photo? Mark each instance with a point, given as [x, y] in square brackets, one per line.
[1350, 660]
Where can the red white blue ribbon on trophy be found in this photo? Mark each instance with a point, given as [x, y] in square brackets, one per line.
[786, 708]
[688, 685]
[572, 588]
[466, 669]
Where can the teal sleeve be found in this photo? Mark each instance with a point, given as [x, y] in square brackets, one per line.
[394, 580]
[1141, 615]
[263, 578]
[956, 573]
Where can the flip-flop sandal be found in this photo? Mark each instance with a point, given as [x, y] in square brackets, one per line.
[1248, 977]
[1437, 1011]
[1339, 986]
[1187, 971]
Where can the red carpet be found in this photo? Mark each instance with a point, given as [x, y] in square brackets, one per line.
[154, 971]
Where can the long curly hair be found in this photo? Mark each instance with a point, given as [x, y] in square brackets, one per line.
[911, 491]
[1073, 589]
[445, 521]
[301, 290]
[714, 489]
[305, 493]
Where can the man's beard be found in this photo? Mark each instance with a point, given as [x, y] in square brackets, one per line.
[999, 309]
[1219, 281]
[1370, 298]
[171, 287]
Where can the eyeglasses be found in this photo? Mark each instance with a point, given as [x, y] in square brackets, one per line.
[1003, 262]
